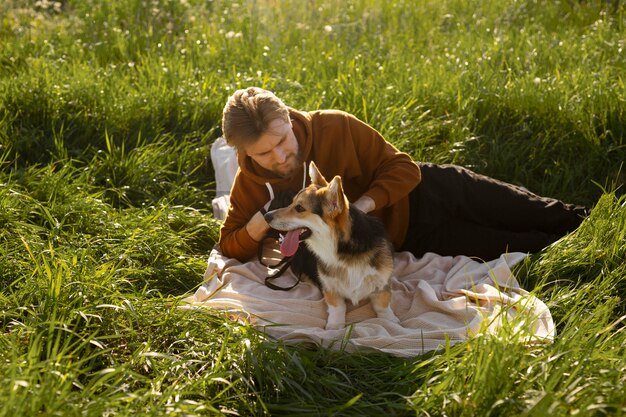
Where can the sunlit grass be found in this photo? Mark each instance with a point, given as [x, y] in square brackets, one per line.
[107, 113]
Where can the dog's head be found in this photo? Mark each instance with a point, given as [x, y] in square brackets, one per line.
[318, 211]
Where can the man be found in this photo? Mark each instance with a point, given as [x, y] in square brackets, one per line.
[444, 209]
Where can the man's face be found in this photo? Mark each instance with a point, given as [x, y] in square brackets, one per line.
[276, 149]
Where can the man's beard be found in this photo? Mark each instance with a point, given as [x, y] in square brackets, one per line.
[294, 162]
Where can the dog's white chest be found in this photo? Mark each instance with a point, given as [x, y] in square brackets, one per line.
[352, 277]
[354, 283]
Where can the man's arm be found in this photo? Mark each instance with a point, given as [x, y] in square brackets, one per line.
[365, 204]
[244, 225]
[257, 227]
[392, 174]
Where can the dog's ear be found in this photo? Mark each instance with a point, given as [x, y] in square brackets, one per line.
[335, 198]
[316, 176]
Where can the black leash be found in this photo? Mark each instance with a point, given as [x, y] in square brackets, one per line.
[282, 199]
[282, 266]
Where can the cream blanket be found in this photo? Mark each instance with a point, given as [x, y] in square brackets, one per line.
[439, 300]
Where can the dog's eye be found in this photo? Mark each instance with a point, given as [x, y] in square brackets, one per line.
[299, 208]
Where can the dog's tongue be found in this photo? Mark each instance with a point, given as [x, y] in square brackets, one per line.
[290, 242]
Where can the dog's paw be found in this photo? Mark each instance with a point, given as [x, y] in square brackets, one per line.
[335, 325]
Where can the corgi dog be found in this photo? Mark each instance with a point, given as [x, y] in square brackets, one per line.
[353, 255]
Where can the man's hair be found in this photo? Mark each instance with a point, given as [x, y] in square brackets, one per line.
[248, 113]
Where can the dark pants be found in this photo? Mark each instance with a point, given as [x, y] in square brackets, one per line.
[455, 211]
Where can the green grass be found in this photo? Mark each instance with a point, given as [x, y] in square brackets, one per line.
[107, 113]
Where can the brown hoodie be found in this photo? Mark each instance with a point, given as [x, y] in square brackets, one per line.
[340, 144]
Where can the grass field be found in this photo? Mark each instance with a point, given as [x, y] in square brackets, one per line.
[107, 113]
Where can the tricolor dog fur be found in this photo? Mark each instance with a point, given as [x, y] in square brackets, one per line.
[354, 256]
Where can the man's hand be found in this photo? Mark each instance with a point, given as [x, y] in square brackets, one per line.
[365, 204]
[257, 227]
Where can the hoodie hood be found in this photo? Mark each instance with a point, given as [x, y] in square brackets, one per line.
[301, 122]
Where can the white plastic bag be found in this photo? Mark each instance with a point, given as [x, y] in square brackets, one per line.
[224, 159]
